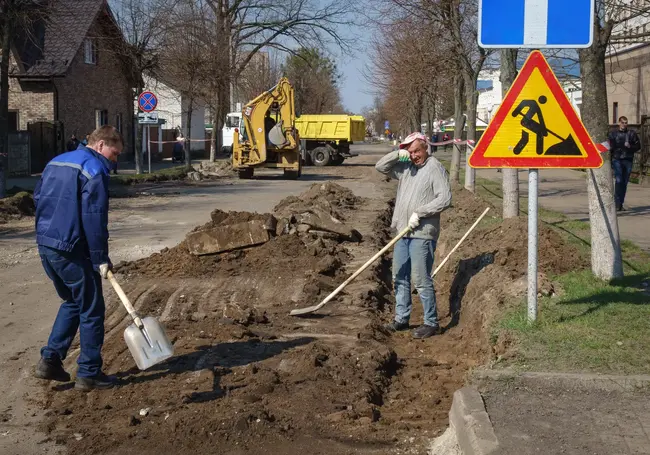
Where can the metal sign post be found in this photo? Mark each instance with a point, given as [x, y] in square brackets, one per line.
[533, 185]
[149, 145]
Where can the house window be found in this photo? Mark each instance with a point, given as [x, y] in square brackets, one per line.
[101, 117]
[118, 122]
[615, 112]
[90, 51]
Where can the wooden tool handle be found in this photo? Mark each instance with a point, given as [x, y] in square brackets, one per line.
[125, 300]
[364, 267]
[444, 261]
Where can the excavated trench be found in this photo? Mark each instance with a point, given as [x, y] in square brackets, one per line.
[248, 378]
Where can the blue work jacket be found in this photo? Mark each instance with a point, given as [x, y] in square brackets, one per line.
[71, 201]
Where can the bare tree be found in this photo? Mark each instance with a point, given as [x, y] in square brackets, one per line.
[510, 182]
[185, 64]
[143, 24]
[246, 27]
[606, 260]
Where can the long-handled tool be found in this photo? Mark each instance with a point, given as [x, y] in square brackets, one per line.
[311, 309]
[146, 337]
[444, 261]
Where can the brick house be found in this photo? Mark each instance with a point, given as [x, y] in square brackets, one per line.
[68, 72]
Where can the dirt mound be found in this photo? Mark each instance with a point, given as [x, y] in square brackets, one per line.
[17, 206]
[330, 197]
[248, 378]
[294, 247]
[220, 168]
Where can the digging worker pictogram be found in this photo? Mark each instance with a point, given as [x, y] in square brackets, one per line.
[71, 201]
[423, 192]
[529, 123]
[533, 121]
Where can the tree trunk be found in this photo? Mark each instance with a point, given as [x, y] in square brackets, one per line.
[5, 46]
[188, 144]
[472, 100]
[510, 183]
[606, 260]
[459, 120]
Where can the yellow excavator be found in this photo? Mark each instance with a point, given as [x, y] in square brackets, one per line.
[269, 138]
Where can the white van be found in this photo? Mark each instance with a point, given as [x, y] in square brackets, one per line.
[233, 119]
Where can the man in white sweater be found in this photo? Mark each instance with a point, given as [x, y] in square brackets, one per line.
[423, 192]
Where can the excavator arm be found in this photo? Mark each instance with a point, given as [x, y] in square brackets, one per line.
[259, 143]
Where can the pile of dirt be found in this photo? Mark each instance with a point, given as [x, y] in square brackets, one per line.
[246, 377]
[330, 197]
[17, 206]
[296, 245]
[488, 272]
[221, 168]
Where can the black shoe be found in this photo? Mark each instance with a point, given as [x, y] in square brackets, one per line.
[52, 370]
[99, 382]
[397, 326]
[619, 208]
[426, 331]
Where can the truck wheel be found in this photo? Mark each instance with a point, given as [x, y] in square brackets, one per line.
[338, 160]
[245, 174]
[226, 151]
[320, 156]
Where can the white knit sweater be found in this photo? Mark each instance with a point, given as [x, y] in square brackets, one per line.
[424, 190]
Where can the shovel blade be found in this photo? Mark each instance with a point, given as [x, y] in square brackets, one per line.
[150, 345]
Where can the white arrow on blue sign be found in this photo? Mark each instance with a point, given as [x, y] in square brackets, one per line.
[535, 24]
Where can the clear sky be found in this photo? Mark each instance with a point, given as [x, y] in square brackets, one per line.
[355, 90]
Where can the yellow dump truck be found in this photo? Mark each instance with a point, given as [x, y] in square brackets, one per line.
[326, 139]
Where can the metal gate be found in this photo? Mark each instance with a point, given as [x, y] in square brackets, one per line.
[46, 141]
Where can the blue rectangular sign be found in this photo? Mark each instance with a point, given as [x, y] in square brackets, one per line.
[535, 24]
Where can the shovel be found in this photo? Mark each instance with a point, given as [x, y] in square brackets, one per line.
[145, 338]
[311, 309]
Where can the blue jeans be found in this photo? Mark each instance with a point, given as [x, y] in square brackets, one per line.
[622, 172]
[80, 288]
[413, 259]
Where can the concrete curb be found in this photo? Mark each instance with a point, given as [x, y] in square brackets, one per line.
[471, 423]
[604, 382]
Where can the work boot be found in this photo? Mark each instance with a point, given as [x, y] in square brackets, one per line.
[426, 331]
[51, 369]
[99, 382]
[397, 326]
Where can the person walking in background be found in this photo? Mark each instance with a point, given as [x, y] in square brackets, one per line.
[624, 143]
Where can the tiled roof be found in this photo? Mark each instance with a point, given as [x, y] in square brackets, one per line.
[67, 25]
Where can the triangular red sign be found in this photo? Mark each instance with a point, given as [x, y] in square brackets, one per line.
[535, 126]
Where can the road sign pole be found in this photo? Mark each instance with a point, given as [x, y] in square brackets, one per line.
[149, 145]
[533, 182]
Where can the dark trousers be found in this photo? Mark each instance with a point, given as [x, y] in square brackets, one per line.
[80, 288]
[622, 172]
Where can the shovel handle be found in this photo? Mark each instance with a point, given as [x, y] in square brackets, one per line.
[354, 275]
[444, 261]
[125, 300]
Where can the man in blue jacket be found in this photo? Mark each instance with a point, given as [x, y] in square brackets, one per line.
[72, 235]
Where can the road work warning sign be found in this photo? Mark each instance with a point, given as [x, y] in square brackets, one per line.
[535, 126]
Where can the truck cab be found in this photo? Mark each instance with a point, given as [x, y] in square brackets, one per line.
[233, 122]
